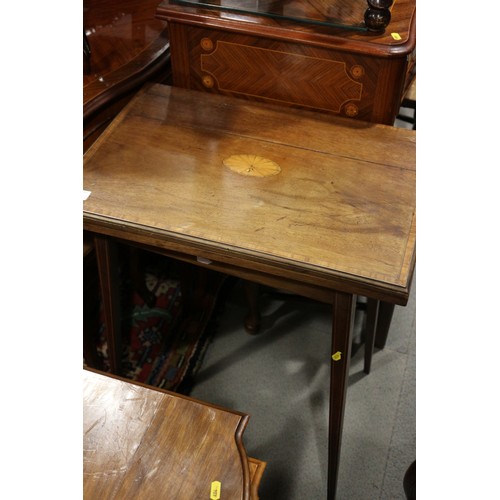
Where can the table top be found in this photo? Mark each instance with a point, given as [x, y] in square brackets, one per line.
[142, 443]
[332, 23]
[340, 213]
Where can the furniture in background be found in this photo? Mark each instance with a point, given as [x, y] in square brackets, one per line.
[316, 55]
[124, 46]
[370, 307]
[90, 302]
[224, 176]
[410, 481]
[328, 62]
[141, 443]
[410, 102]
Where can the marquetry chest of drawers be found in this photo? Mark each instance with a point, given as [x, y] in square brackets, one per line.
[342, 71]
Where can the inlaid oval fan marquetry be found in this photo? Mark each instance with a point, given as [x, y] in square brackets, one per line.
[252, 165]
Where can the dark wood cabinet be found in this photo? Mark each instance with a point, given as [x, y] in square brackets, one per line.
[124, 46]
[342, 71]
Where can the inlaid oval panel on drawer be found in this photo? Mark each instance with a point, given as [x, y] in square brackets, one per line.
[283, 73]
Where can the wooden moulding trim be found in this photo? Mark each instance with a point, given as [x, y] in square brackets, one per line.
[243, 457]
[257, 476]
[289, 34]
[227, 259]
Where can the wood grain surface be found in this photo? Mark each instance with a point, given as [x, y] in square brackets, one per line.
[128, 44]
[340, 214]
[143, 443]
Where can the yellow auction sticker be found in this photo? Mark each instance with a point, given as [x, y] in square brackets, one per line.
[215, 490]
[337, 356]
[396, 36]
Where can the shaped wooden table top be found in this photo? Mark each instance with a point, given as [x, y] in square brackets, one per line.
[142, 442]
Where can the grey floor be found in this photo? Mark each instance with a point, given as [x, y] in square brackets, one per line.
[281, 379]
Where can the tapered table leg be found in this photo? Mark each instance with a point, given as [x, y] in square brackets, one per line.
[344, 306]
[107, 266]
[386, 310]
[371, 325]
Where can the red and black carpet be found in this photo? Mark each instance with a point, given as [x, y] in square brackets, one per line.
[164, 342]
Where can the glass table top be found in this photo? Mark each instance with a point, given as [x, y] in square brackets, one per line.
[347, 14]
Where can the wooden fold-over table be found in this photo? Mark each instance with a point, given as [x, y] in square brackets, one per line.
[146, 443]
[311, 203]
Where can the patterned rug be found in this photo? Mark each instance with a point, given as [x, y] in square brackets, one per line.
[164, 342]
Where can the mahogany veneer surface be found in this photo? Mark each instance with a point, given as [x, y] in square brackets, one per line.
[143, 443]
[128, 47]
[339, 214]
[126, 41]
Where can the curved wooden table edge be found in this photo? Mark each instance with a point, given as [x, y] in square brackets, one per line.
[133, 74]
[249, 484]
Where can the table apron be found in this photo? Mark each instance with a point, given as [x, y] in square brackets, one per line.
[266, 270]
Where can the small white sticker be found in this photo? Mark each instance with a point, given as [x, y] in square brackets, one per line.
[202, 260]
[86, 194]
